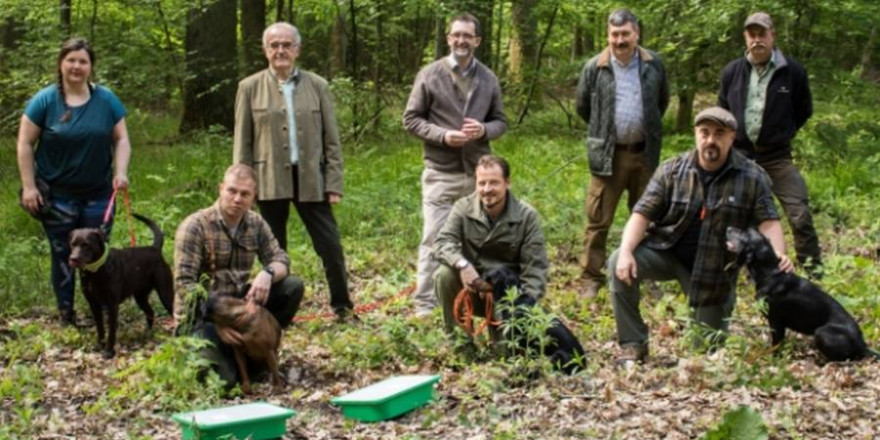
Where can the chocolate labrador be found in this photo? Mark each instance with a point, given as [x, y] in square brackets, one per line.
[259, 332]
[796, 303]
[562, 347]
[109, 276]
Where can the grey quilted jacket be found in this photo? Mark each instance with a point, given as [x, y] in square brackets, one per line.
[595, 104]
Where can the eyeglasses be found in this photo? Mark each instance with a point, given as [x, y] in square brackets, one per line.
[462, 36]
[286, 45]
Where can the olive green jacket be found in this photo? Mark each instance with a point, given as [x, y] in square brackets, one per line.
[261, 138]
[515, 242]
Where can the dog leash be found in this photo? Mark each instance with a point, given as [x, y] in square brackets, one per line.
[127, 212]
[463, 311]
[360, 309]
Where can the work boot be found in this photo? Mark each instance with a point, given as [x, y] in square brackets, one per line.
[68, 317]
[346, 316]
[591, 289]
[632, 353]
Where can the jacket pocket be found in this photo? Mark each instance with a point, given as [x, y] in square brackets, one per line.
[599, 161]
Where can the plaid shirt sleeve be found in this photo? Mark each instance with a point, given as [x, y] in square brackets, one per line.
[655, 200]
[188, 246]
[269, 251]
[765, 208]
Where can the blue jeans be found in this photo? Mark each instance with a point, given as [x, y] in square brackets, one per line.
[67, 214]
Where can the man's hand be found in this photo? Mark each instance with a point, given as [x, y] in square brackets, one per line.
[469, 277]
[626, 270]
[333, 198]
[230, 336]
[260, 286]
[455, 138]
[473, 128]
[785, 263]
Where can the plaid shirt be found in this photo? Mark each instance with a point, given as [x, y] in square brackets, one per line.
[204, 245]
[739, 196]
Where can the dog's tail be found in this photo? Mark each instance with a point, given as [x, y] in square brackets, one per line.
[158, 236]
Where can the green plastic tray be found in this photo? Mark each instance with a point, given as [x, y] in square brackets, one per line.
[388, 398]
[256, 421]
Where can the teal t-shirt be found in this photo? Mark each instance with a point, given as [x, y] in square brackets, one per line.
[75, 157]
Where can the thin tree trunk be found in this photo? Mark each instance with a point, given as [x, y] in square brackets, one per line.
[253, 22]
[533, 83]
[209, 86]
[93, 21]
[439, 37]
[866, 53]
[64, 9]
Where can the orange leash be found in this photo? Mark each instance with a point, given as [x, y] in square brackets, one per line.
[361, 309]
[463, 311]
[127, 213]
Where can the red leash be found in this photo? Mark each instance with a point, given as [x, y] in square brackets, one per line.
[127, 212]
[358, 310]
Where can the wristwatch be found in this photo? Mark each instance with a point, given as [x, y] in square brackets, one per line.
[462, 264]
[268, 269]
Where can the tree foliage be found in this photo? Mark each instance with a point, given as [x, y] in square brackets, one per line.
[377, 46]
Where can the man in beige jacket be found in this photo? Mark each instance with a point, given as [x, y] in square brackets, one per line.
[285, 128]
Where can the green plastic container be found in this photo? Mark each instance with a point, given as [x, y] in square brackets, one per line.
[253, 420]
[388, 398]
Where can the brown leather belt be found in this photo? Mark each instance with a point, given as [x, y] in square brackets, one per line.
[637, 147]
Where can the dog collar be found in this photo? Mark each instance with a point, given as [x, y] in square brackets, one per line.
[95, 265]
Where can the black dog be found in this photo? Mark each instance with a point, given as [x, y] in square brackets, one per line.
[795, 303]
[111, 275]
[563, 348]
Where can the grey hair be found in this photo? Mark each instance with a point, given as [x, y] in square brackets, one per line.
[297, 39]
[620, 17]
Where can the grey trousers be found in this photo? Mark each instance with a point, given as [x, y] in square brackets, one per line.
[659, 265]
[440, 190]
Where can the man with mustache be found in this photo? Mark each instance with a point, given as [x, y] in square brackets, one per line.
[677, 231]
[285, 128]
[622, 94]
[455, 109]
[769, 94]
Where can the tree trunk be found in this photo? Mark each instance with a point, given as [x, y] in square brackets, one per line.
[253, 22]
[338, 45]
[866, 53]
[523, 41]
[64, 9]
[534, 86]
[209, 86]
[440, 45]
[685, 115]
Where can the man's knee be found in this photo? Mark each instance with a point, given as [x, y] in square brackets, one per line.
[446, 283]
[612, 262]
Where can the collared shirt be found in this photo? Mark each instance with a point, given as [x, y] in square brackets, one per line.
[629, 120]
[756, 96]
[288, 86]
[738, 196]
[453, 64]
[205, 244]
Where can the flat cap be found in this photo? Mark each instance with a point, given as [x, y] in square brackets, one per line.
[716, 114]
[759, 19]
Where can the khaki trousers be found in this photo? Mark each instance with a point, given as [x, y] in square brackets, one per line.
[630, 173]
[440, 190]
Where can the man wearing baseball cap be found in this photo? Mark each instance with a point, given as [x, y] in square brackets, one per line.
[769, 94]
[677, 231]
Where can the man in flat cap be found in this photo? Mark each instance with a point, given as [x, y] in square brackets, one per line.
[769, 95]
[677, 231]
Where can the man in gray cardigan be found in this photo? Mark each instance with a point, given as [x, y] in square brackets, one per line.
[455, 108]
[622, 94]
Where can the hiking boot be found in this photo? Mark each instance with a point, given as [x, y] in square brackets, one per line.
[68, 317]
[346, 316]
[633, 353]
[591, 289]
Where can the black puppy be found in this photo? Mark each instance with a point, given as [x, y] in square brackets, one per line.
[111, 275]
[795, 303]
[562, 347]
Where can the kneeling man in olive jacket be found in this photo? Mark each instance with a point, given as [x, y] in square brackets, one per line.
[489, 228]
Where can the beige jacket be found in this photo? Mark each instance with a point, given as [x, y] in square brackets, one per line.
[261, 138]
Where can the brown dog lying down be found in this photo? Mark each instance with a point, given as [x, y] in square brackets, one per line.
[255, 330]
[111, 275]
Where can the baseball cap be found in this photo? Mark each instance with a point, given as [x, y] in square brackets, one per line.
[759, 19]
[718, 115]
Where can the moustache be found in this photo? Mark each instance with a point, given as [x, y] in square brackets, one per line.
[622, 45]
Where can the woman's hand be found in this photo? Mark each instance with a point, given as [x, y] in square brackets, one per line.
[120, 181]
[31, 199]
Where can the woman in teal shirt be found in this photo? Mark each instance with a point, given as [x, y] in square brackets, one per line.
[72, 134]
